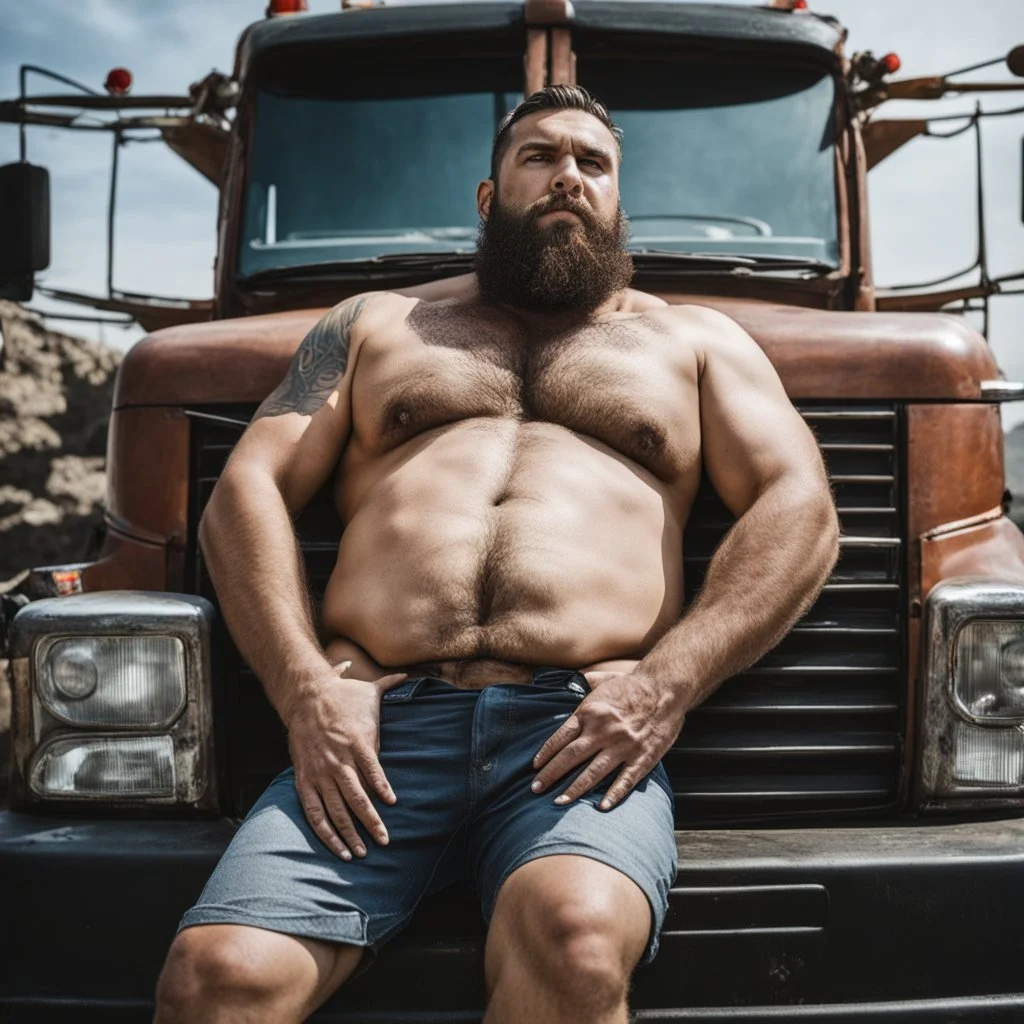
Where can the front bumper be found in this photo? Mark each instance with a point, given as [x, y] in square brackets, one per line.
[914, 923]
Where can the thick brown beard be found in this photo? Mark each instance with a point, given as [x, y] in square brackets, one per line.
[564, 268]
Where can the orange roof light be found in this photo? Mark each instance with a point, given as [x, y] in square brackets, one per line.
[891, 62]
[286, 7]
[119, 82]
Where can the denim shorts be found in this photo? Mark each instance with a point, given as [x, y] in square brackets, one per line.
[460, 762]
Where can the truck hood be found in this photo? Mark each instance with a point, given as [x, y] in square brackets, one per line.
[818, 354]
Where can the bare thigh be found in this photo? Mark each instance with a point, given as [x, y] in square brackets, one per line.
[551, 902]
[219, 965]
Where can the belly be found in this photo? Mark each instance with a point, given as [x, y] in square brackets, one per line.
[501, 539]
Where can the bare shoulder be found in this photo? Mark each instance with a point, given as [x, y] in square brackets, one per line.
[368, 318]
[712, 334]
[642, 302]
[700, 321]
[462, 288]
[322, 359]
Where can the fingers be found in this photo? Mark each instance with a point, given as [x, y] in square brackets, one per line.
[562, 763]
[619, 789]
[313, 808]
[341, 819]
[568, 731]
[386, 683]
[355, 796]
[330, 807]
[598, 769]
[373, 772]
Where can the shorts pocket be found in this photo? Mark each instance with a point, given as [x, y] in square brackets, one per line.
[404, 692]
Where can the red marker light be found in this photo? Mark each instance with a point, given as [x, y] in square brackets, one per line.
[286, 7]
[119, 81]
[891, 63]
[799, 5]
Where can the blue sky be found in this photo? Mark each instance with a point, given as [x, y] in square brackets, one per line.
[921, 199]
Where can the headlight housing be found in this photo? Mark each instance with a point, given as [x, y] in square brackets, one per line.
[971, 753]
[112, 699]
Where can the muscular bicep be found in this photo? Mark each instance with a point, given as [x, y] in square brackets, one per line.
[299, 432]
[751, 434]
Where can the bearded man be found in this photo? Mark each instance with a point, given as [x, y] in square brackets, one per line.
[502, 655]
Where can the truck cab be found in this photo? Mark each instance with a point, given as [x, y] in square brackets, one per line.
[849, 811]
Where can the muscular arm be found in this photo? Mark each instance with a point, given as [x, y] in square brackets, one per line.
[246, 531]
[285, 455]
[766, 466]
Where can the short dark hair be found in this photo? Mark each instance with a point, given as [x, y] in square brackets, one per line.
[551, 97]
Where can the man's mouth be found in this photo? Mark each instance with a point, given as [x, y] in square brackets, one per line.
[567, 215]
[561, 211]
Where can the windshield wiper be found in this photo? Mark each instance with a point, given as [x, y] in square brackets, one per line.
[730, 263]
[454, 259]
[462, 260]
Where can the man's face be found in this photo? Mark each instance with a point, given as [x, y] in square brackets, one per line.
[553, 234]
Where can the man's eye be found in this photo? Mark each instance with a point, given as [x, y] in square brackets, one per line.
[536, 156]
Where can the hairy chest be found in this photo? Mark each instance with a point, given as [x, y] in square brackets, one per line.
[624, 383]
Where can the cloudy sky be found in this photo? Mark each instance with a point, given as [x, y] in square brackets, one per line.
[922, 216]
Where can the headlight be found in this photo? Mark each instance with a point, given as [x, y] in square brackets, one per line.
[988, 671]
[108, 766]
[115, 681]
[972, 725]
[112, 699]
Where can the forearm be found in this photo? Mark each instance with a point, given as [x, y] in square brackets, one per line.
[250, 547]
[764, 576]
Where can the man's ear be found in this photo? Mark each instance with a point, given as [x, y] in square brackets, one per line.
[484, 196]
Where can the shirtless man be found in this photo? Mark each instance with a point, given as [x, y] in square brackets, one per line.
[502, 656]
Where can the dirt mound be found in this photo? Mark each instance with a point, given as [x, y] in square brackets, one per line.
[55, 396]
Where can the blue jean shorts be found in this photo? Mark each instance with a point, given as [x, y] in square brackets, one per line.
[460, 762]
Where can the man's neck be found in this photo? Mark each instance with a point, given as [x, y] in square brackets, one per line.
[617, 302]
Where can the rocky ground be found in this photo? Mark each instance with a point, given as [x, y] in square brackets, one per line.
[55, 396]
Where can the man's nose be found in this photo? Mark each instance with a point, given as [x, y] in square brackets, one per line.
[567, 178]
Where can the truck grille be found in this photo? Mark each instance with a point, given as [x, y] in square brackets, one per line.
[813, 730]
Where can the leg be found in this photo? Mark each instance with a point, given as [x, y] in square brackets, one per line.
[565, 935]
[246, 952]
[233, 973]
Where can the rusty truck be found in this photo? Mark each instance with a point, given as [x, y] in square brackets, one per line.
[850, 810]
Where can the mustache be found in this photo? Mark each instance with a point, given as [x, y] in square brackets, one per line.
[564, 202]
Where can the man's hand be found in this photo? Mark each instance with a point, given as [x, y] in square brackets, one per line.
[628, 719]
[334, 739]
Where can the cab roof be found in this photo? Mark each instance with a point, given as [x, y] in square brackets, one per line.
[801, 33]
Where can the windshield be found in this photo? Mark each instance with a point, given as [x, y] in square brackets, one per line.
[715, 161]
[724, 159]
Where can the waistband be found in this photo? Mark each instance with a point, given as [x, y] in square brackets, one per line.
[475, 675]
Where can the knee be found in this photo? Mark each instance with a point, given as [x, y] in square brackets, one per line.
[576, 945]
[208, 967]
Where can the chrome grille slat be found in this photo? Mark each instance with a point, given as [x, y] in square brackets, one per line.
[856, 447]
[814, 730]
[848, 414]
[862, 478]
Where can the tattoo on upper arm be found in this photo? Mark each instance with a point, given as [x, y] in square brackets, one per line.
[318, 365]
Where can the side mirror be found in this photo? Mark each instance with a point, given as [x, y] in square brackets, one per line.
[1015, 61]
[24, 228]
